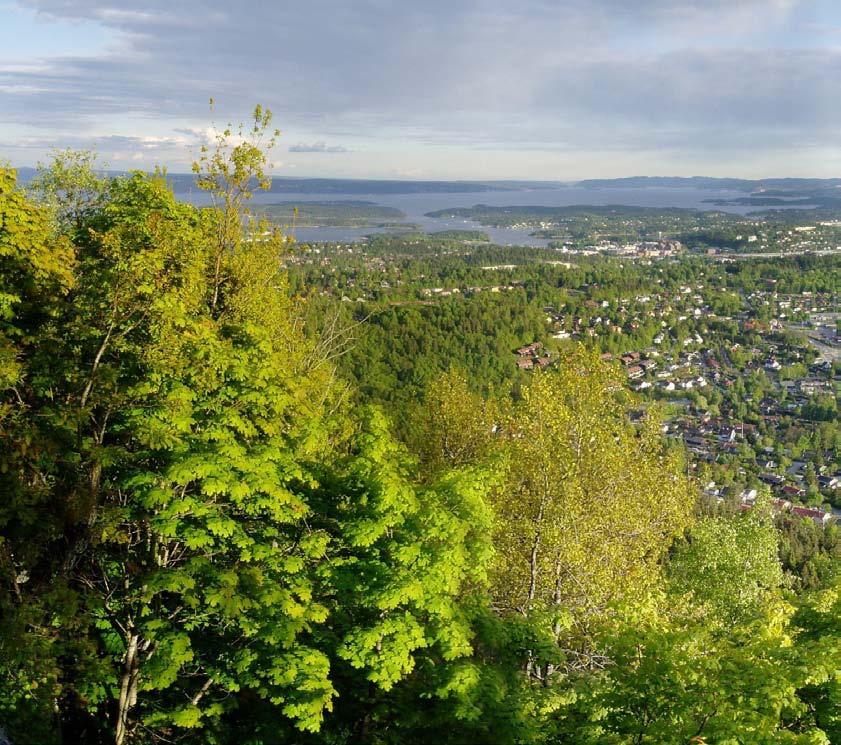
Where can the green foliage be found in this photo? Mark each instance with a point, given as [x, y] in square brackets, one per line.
[674, 679]
[583, 482]
[36, 274]
[34, 264]
[819, 618]
[730, 566]
[809, 553]
[400, 350]
[70, 187]
[454, 426]
[820, 410]
[185, 427]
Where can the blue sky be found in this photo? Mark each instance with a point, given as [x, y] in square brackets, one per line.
[537, 89]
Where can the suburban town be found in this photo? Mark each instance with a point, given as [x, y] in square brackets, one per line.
[746, 372]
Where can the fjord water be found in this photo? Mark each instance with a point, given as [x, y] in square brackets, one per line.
[415, 207]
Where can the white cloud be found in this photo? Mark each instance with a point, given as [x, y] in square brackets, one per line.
[316, 147]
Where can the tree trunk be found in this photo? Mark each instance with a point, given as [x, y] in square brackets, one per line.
[535, 546]
[128, 688]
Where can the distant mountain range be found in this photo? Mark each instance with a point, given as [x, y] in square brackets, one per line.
[804, 193]
[185, 182]
[765, 192]
[718, 184]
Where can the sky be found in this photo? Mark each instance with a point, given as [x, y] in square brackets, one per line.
[438, 89]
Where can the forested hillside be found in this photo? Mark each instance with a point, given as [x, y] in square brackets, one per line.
[234, 511]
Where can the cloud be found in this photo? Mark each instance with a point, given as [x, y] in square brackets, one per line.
[483, 79]
[370, 59]
[316, 147]
[107, 143]
[211, 135]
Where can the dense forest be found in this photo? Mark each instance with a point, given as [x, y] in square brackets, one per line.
[226, 517]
